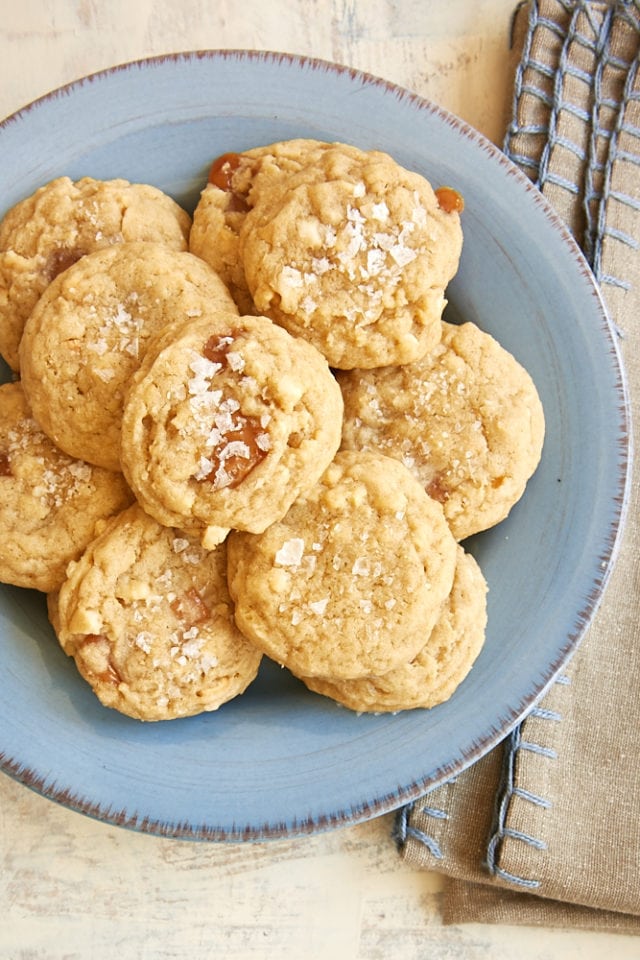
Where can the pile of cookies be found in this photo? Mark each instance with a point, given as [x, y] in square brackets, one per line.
[250, 432]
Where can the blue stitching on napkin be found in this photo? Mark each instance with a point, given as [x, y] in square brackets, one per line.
[403, 829]
[519, 835]
[434, 812]
[538, 748]
[614, 154]
[508, 790]
[545, 714]
[432, 845]
[534, 798]
[549, 89]
[622, 236]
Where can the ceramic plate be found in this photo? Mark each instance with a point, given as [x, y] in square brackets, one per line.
[280, 761]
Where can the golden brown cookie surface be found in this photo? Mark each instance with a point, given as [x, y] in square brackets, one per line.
[440, 666]
[236, 181]
[466, 420]
[62, 221]
[89, 331]
[146, 615]
[347, 583]
[228, 420]
[354, 253]
[49, 502]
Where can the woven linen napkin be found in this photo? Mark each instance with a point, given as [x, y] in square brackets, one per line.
[545, 829]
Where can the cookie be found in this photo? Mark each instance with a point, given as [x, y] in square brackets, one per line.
[227, 421]
[354, 253]
[440, 666]
[235, 183]
[466, 420]
[146, 615]
[49, 503]
[89, 331]
[63, 220]
[352, 579]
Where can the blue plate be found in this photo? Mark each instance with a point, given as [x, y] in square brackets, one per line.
[280, 761]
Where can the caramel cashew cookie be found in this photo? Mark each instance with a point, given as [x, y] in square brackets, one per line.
[353, 577]
[236, 182]
[354, 253]
[440, 666]
[146, 615]
[89, 332]
[50, 503]
[466, 420]
[62, 221]
[228, 420]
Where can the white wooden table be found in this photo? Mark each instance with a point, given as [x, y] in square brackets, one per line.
[73, 888]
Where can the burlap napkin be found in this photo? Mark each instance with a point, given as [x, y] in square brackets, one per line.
[546, 828]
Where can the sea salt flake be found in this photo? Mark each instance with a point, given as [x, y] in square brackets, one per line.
[99, 346]
[321, 265]
[79, 470]
[165, 579]
[194, 556]
[355, 216]
[122, 318]
[214, 438]
[376, 260]
[235, 361]
[143, 641]
[380, 211]
[402, 255]
[236, 448]
[330, 236]
[208, 661]
[204, 468]
[309, 563]
[419, 214]
[193, 648]
[308, 305]
[291, 277]
[361, 567]
[203, 368]
[221, 479]
[384, 241]
[290, 553]
[319, 606]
